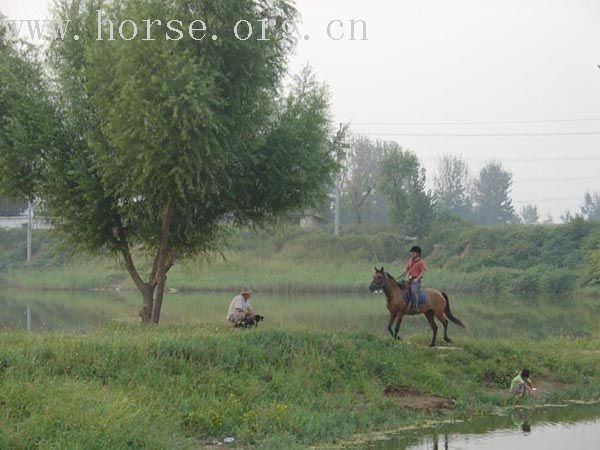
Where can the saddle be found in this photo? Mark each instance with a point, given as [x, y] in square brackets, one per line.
[407, 294]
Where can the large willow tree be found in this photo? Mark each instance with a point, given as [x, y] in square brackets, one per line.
[170, 142]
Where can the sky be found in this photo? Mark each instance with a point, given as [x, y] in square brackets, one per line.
[515, 81]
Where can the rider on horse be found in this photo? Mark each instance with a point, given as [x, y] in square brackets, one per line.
[415, 269]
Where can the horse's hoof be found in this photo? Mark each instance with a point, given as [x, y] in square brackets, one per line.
[448, 340]
[432, 345]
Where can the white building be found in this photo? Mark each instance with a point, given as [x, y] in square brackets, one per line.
[21, 222]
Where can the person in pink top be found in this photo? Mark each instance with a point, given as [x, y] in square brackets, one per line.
[415, 270]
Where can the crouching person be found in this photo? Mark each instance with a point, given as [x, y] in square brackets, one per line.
[521, 385]
[240, 310]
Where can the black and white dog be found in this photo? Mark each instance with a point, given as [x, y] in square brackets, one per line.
[249, 323]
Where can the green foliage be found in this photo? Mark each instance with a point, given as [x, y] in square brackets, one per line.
[591, 249]
[201, 123]
[534, 281]
[47, 251]
[452, 185]
[591, 206]
[402, 181]
[512, 246]
[361, 199]
[529, 214]
[593, 260]
[527, 260]
[28, 123]
[491, 196]
[11, 207]
[200, 136]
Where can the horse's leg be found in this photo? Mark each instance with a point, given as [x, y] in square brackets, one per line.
[446, 338]
[430, 318]
[391, 322]
[439, 313]
[398, 323]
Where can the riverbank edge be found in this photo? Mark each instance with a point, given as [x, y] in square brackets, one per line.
[366, 438]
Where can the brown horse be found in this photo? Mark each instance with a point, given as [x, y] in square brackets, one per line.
[436, 305]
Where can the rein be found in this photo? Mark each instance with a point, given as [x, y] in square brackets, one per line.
[401, 287]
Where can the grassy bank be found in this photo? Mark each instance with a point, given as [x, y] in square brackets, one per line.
[277, 274]
[284, 276]
[511, 259]
[184, 386]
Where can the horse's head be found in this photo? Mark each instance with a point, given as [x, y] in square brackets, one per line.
[379, 280]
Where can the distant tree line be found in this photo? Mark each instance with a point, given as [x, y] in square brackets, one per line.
[385, 183]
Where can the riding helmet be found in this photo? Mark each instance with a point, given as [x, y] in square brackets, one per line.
[417, 250]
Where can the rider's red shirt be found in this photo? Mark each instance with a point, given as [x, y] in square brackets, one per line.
[415, 267]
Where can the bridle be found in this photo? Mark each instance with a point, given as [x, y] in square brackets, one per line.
[383, 287]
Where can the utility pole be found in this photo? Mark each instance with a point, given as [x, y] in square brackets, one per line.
[338, 194]
[339, 146]
[29, 226]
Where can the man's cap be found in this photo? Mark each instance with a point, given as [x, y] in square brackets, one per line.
[246, 291]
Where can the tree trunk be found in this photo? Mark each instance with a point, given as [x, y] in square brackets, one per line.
[152, 291]
[146, 289]
[147, 304]
[158, 298]
[361, 203]
[358, 217]
[162, 263]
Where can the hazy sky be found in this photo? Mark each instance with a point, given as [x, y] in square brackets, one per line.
[531, 65]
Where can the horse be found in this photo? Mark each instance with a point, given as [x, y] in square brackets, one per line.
[437, 305]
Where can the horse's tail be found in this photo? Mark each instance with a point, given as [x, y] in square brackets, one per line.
[449, 313]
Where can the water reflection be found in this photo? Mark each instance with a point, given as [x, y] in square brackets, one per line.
[522, 417]
[436, 444]
[550, 428]
[492, 318]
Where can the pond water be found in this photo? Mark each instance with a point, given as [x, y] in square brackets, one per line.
[489, 317]
[549, 428]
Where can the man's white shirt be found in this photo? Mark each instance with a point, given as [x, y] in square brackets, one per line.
[238, 302]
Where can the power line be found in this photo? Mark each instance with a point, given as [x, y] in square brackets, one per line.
[542, 180]
[477, 122]
[574, 158]
[520, 160]
[545, 200]
[573, 133]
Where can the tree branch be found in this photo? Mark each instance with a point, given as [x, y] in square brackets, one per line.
[158, 268]
[129, 264]
[365, 197]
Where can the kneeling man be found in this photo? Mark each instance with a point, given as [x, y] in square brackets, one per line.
[240, 309]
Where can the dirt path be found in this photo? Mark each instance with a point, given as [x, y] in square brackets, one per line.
[412, 399]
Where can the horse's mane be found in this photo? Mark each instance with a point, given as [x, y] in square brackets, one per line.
[392, 278]
[401, 285]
